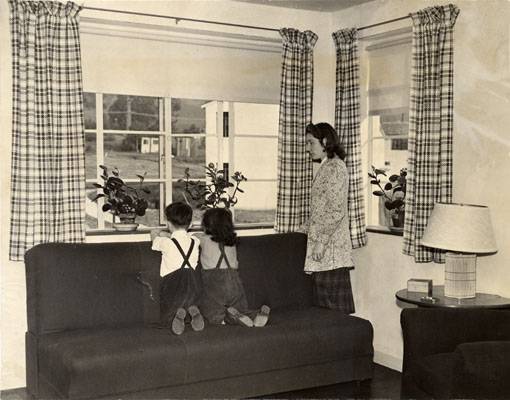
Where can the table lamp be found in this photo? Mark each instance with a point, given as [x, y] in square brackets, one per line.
[464, 230]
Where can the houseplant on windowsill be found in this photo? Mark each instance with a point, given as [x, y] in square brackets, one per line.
[217, 191]
[122, 201]
[393, 194]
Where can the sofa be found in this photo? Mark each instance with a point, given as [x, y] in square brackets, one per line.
[92, 333]
[456, 353]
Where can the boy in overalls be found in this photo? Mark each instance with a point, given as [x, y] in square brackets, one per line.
[180, 286]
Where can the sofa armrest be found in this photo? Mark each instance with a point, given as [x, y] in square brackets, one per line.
[428, 331]
[484, 368]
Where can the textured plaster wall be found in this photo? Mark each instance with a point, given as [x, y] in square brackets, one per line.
[12, 276]
[481, 159]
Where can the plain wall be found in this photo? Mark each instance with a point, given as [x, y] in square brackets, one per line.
[263, 84]
[481, 160]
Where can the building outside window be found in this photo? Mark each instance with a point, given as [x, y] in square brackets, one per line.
[135, 134]
[385, 77]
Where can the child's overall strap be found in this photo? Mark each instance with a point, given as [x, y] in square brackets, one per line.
[223, 256]
[185, 257]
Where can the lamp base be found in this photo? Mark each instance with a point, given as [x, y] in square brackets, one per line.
[460, 275]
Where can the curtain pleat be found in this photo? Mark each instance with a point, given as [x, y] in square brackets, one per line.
[430, 125]
[296, 95]
[347, 123]
[48, 154]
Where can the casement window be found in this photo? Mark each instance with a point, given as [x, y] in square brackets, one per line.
[385, 77]
[163, 136]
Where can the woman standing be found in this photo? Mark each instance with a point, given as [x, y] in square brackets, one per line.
[328, 254]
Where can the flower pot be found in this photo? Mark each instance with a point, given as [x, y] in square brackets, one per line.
[397, 221]
[127, 223]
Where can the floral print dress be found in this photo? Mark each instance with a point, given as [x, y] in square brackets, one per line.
[328, 221]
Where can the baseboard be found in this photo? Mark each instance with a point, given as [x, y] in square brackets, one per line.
[388, 361]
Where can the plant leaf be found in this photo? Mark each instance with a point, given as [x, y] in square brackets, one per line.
[378, 193]
[388, 186]
[393, 178]
[97, 185]
[375, 181]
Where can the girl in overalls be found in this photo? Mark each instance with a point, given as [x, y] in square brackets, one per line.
[180, 286]
[223, 298]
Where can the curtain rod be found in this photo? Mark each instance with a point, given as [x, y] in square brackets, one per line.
[177, 19]
[383, 23]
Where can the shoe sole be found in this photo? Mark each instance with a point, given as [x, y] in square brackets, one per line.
[241, 319]
[262, 317]
[178, 325]
[197, 321]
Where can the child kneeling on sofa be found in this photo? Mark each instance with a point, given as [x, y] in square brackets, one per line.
[180, 286]
[223, 298]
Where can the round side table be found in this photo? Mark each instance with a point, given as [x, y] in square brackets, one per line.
[482, 300]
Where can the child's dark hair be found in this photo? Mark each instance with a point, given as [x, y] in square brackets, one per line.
[328, 138]
[179, 214]
[217, 222]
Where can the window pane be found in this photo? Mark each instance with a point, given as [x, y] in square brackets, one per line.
[151, 217]
[257, 203]
[179, 194]
[90, 207]
[188, 153]
[134, 113]
[89, 110]
[188, 116]
[389, 149]
[90, 156]
[133, 154]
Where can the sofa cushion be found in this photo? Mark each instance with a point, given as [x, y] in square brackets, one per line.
[91, 364]
[73, 286]
[271, 268]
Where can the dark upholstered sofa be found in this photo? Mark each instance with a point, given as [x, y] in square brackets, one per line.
[456, 353]
[90, 334]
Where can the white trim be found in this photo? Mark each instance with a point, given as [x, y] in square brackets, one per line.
[165, 33]
[388, 361]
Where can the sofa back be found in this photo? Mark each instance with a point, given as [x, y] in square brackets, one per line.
[73, 286]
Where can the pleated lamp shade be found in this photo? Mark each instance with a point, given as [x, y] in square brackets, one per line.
[464, 228]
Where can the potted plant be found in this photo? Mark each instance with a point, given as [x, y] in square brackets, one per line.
[123, 201]
[216, 192]
[393, 194]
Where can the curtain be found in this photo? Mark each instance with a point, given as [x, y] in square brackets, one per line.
[347, 123]
[48, 165]
[294, 165]
[430, 125]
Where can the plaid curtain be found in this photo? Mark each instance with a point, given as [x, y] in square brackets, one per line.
[48, 164]
[294, 165]
[430, 125]
[347, 123]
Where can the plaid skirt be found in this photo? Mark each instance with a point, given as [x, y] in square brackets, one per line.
[332, 289]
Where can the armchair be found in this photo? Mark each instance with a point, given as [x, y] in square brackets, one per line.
[456, 353]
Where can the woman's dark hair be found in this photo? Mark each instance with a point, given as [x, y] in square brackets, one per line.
[217, 222]
[179, 214]
[328, 138]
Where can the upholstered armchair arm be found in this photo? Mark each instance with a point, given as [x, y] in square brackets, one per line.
[430, 331]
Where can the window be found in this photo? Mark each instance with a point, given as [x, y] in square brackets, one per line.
[134, 134]
[385, 73]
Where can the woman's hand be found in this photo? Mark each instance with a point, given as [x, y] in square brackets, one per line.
[318, 252]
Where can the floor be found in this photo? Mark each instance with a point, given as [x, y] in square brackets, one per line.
[384, 385]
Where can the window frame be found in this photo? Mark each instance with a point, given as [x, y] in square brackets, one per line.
[165, 135]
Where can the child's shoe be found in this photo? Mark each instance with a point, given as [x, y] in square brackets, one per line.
[197, 321]
[239, 318]
[178, 321]
[262, 317]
